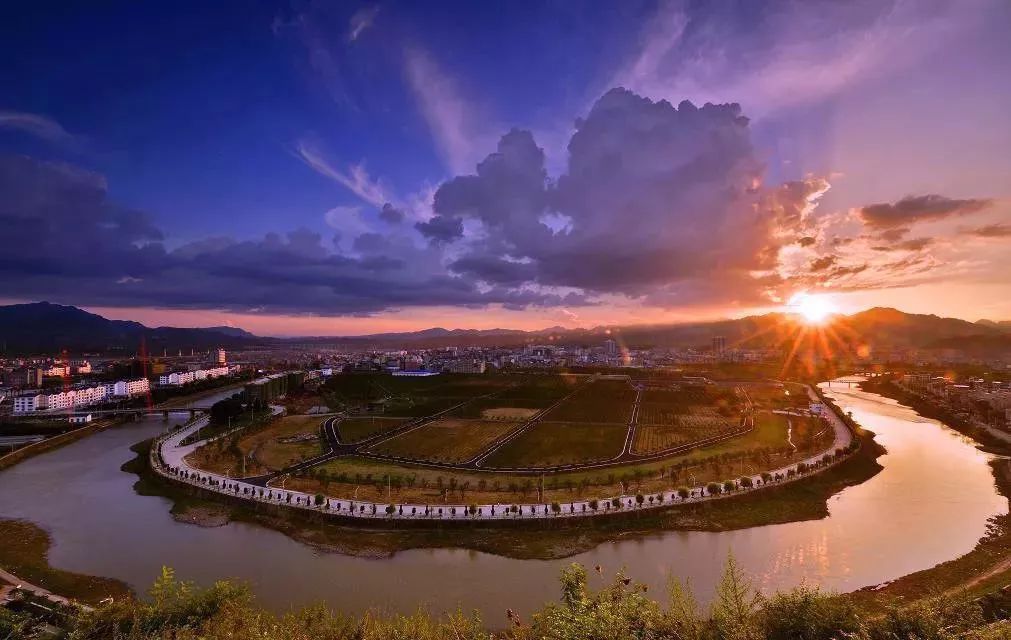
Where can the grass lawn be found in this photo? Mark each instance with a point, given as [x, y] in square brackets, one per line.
[356, 429]
[268, 451]
[552, 443]
[447, 440]
[600, 401]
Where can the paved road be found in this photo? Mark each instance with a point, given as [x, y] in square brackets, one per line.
[168, 459]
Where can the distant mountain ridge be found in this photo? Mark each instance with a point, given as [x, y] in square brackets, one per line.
[43, 327]
[48, 328]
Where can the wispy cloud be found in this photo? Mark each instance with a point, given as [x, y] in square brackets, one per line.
[355, 178]
[450, 118]
[361, 21]
[37, 125]
[702, 55]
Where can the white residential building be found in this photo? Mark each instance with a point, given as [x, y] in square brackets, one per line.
[129, 388]
[179, 378]
[29, 403]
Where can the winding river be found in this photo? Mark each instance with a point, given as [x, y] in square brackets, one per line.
[929, 504]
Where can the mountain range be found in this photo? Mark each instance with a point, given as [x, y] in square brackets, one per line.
[42, 327]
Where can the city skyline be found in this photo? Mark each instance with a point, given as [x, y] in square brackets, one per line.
[374, 167]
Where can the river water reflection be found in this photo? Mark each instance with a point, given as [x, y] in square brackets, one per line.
[929, 504]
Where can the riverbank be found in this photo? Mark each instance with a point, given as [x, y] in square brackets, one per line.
[24, 553]
[298, 576]
[55, 442]
[798, 500]
[982, 571]
[889, 389]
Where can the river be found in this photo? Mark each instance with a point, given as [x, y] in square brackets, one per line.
[929, 504]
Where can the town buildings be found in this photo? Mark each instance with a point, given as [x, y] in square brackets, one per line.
[79, 396]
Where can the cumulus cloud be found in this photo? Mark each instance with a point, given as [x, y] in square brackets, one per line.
[913, 209]
[657, 198]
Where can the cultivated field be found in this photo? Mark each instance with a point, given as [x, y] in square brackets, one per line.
[446, 440]
[405, 396]
[691, 427]
[357, 429]
[599, 401]
[554, 443]
[524, 398]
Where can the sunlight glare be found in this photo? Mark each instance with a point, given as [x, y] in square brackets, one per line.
[814, 309]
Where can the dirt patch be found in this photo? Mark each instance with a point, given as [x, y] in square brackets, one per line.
[508, 413]
[203, 516]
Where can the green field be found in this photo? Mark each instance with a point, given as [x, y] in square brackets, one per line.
[446, 440]
[599, 401]
[357, 429]
[406, 396]
[553, 443]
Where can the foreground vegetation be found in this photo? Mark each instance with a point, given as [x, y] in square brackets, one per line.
[617, 608]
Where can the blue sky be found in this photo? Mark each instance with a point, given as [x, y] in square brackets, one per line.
[193, 130]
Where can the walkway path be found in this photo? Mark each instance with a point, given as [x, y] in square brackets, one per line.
[39, 591]
[168, 459]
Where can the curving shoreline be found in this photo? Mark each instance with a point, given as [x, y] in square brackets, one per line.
[168, 459]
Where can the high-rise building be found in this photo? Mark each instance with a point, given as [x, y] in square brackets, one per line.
[719, 345]
[610, 347]
[222, 356]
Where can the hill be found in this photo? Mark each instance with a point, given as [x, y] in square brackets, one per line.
[48, 328]
[42, 327]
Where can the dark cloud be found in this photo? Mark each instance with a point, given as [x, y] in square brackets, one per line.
[807, 241]
[914, 244]
[56, 219]
[820, 264]
[441, 228]
[63, 240]
[991, 231]
[391, 214]
[893, 235]
[912, 209]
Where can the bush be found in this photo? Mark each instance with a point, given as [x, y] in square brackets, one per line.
[805, 613]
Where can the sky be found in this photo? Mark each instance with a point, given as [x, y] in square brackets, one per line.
[340, 168]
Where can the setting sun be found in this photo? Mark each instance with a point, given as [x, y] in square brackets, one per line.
[814, 309]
